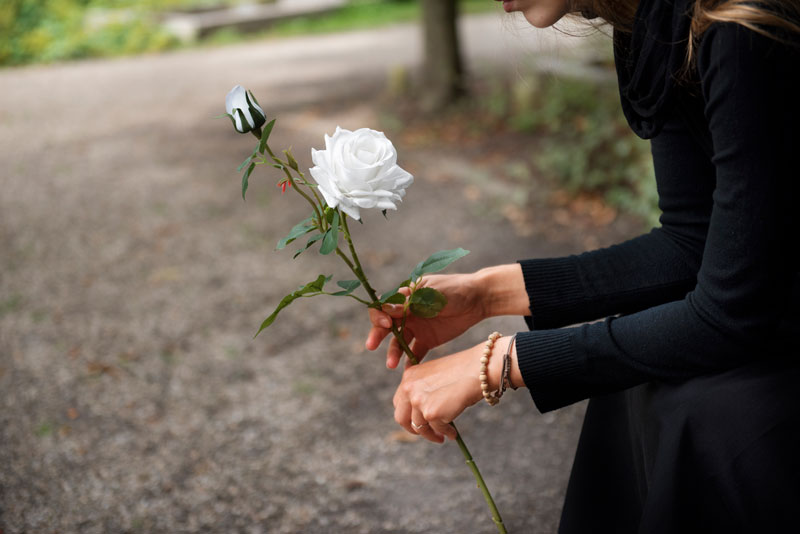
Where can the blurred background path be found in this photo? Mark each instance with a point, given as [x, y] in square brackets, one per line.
[132, 278]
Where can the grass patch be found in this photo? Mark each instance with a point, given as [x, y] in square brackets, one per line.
[362, 14]
[570, 131]
[46, 428]
[10, 304]
[587, 145]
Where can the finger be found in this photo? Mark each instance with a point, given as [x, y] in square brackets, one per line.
[443, 429]
[375, 337]
[424, 428]
[380, 318]
[392, 310]
[393, 354]
[402, 411]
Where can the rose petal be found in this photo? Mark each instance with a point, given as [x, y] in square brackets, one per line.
[351, 210]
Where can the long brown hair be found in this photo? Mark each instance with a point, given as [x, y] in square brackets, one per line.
[767, 17]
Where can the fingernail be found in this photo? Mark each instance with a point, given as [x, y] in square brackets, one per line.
[385, 322]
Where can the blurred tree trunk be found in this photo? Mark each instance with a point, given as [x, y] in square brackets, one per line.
[443, 73]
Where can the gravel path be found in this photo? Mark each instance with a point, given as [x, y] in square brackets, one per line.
[132, 278]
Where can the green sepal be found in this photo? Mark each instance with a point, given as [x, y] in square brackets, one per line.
[233, 121]
[258, 116]
[265, 135]
[246, 179]
[311, 287]
[250, 94]
[391, 297]
[290, 159]
[243, 121]
[331, 239]
[299, 229]
[348, 285]
[311, 241]
[427, 302]
[438, 261]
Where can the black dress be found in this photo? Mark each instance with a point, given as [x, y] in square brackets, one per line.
[694, 375]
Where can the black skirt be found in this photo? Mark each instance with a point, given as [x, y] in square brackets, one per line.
[716, 453]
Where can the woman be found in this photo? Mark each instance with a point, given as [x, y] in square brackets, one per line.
[694, 418]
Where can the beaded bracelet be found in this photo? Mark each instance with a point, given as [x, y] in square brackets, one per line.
[492, 397]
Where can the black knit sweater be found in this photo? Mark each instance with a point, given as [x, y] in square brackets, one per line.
[717, 284]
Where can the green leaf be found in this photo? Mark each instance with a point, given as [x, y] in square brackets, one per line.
[245, 162]
[265, 135]
[311, 241]
[348, 285]
[427, 302]
[319, 283]
[311, 287]
[438, 261]
[397, 298]
[246, 178]
[299, 229]
[391, 297]
[331, 239]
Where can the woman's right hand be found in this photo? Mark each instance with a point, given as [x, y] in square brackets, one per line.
[470, 299]
[464, 309]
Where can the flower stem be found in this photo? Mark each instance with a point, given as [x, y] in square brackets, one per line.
[487, 495]
[289, 177]
[357, 269]
[355, 266]
[310, 187]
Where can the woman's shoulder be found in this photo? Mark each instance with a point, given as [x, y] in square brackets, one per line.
[735, 50]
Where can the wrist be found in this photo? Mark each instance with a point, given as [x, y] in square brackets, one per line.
[502, 290]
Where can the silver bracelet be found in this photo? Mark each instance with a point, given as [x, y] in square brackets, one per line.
[505, 380]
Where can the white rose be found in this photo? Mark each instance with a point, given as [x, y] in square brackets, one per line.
[359, 170]
[243, 109]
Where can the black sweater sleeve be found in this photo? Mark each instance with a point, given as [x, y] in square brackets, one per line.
[701, 304]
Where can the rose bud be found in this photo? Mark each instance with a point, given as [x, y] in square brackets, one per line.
[243, 109]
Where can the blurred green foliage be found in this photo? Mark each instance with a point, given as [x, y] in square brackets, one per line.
[55, 30]
[51, 30]
[586, 144]
[357, 14]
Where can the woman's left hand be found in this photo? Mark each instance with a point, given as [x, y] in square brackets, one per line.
[433, 393]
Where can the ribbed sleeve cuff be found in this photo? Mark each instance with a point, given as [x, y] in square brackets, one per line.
[549, 365]
[554, 291]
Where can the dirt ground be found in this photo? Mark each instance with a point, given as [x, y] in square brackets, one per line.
[133, 397]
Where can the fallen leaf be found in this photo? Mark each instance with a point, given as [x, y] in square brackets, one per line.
[402, 436]
[100, 368]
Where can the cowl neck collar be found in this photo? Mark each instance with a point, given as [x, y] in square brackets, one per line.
[649, 61]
